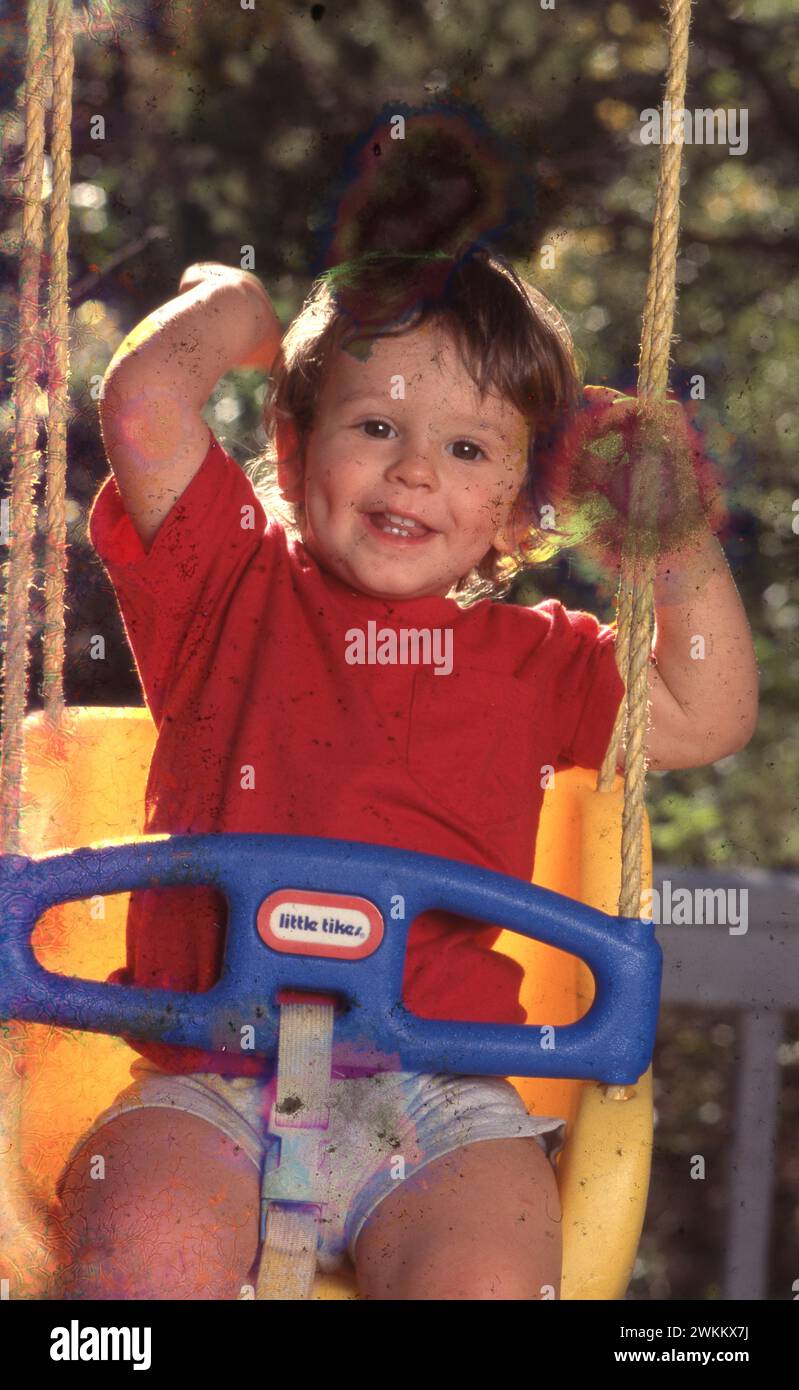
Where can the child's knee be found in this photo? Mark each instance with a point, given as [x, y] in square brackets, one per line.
[102, 1270]
[88, 1270]
[137, 1250]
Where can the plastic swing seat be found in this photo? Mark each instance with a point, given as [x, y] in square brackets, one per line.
[85, 786]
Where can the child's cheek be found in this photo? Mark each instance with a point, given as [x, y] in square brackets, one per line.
[511, 482]
[499, 504]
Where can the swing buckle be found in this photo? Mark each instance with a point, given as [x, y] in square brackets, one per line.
[295, 1181]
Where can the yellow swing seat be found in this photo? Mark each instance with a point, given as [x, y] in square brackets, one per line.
[85, 785]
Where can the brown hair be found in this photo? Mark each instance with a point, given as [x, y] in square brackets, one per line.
[510, 339]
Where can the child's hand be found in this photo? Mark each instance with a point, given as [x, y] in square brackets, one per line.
[268, 330]
[677, 497]
[201, 271]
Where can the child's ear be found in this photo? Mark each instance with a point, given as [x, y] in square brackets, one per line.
[510, 535]
[290, 471]
[519, 520]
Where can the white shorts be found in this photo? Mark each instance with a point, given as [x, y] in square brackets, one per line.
[373, 1121]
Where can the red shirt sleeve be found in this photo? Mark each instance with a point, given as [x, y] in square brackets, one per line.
[588, 684]
[167, 593]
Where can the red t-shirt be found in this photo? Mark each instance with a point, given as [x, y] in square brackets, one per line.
[242, 642]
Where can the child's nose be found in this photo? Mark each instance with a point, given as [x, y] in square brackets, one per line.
[413, 466]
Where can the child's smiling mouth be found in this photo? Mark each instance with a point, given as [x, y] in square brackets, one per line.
[393, 527]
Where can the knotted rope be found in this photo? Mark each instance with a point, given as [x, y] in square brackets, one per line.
[635, 599]
[27, 1249]
[36, 349]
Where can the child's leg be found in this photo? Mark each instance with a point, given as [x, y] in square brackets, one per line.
[481, 1222]
[174, 1217]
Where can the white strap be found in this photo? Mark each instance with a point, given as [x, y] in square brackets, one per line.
[288, 1258]
[299, 1119]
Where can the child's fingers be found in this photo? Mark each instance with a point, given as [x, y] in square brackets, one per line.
[195, 274]
[605, 409]
[599, 396]
[201, 271]
[636, 474]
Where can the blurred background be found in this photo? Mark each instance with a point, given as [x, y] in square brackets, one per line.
[226, 127]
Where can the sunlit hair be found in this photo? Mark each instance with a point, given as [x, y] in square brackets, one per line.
[509, 337]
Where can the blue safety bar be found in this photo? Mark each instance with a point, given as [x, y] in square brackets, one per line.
[612, 1043]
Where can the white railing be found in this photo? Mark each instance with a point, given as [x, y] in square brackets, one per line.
[710, 965]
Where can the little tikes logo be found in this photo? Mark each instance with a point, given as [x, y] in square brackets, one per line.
[298, 922]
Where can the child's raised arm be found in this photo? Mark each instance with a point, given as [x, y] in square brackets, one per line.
[162, 375]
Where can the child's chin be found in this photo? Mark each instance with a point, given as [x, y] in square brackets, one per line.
[385, 578]
[398, 587]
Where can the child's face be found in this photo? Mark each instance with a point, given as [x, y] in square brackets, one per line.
[405, 431]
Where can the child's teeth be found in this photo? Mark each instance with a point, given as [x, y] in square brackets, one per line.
[394, 525]
[401, 525]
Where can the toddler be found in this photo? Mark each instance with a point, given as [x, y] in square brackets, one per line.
[321, 656]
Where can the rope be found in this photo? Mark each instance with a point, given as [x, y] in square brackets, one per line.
[55, 561]
[23, 1251]
[35, 350]
[19, 566]
[635, 599]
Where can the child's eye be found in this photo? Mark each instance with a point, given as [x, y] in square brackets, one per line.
[469, 445]
[383, 423]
